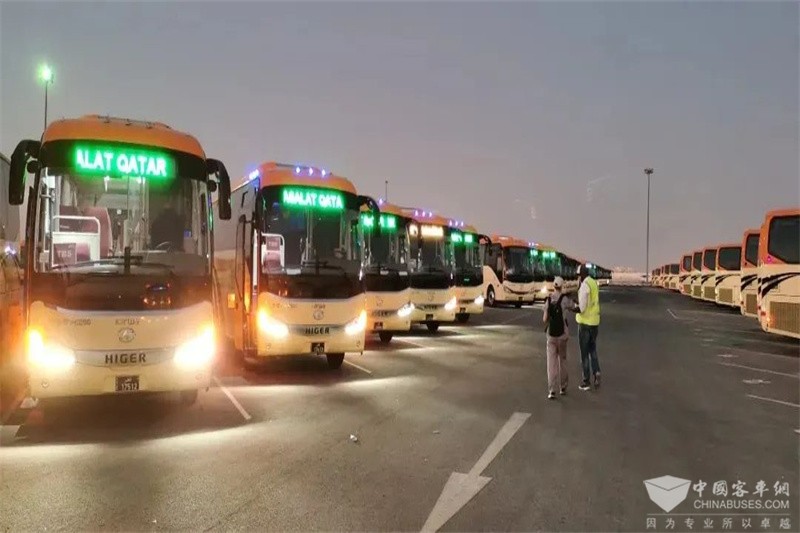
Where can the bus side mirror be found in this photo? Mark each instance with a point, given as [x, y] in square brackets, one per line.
[217, 168]
[375, 211]
[19, 162]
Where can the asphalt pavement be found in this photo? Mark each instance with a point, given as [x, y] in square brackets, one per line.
[450, 431]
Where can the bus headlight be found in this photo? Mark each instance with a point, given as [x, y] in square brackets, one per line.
[47, 354]
[405, 310]
[358, 325]
[451, 305]
[271, 327]
[479, 300]
[198, 351]
[543, 290]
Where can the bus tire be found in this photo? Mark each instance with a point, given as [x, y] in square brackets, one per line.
[385, 336]
[188, 397]
[462, 318]
[433, 327]
[490, 301]
[335, 360]
[518, 305]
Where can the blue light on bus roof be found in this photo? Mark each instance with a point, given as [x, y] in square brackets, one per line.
[297, 170]
[324, 172]
[253, 175]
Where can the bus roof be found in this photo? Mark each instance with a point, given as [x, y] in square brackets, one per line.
[114, 129]
[505, 240]
[391, 209]
[422, 216]
[786, 211]
[730, 245]
[271, 173]
[748, 232]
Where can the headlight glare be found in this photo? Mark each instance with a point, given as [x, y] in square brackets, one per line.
[48, 355]
[271, 327]
[479, 300]
[543, 290]
[197, 351]
[451, 305]
[357, 325]
[405, 310]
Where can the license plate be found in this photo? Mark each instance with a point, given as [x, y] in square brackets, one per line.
[127, 383]
[378, 325]
[318, 348]
[462, 310]
[429, 317]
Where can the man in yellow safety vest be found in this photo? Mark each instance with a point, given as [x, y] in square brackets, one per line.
[588, 319]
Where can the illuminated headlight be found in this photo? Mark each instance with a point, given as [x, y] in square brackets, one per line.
[46, 354]
[358, 325]
[479, 300]
[543, 290]
[198, 351]
[405, 310]
[451, 305]
[271, 327]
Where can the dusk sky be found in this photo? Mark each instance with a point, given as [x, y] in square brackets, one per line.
[532, 119]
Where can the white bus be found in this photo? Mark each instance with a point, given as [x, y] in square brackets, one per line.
[289, 265]
[728, 276]
[468, 269]
[779, 273]
[684, 275]
[119, 253]
[508, 272]
[387, 272]
[694, 276]
[708, 274]
[748, 290]
[546, 266]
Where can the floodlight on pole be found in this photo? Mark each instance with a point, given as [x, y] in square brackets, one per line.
[648, 172]
[45, 76]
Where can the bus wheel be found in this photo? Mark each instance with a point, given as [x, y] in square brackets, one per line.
[462, 318]
[490, 297]
[188, 397]
[518, 305]
[335, 360]
[433, 327]
[385, 336]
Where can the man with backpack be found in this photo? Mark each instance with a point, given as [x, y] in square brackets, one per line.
[557, 330]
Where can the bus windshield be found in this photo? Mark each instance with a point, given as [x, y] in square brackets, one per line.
[751, 249]
[730, 258]
[673, 269]
[697, 261]
[710, 259]
[687, 263]
[783, 240]
[85, 224]
[518, 264]
[466, 253]
[386, 249]
[432, 255]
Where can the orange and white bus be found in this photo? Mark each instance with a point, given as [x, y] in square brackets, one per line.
[508, 276]
[694, 277]
[779, 273]
[387, 273]
[433, 290]
[119, 266]
[289, 265]
[728, 275]
[684, 279]
[748, 290]
[672, 273]
[708, 274]
[546, 266]
[467, 269]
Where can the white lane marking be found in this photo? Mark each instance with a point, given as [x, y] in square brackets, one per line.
[736, 365]
[797, 431]
[755, 352]
[773, 400]
[727, 355]
[233, 399]
[358, 367]
[673, 314]
[757, 381]
[461, 488]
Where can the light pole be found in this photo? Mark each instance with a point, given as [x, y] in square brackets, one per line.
[45, 75]
[386, 191]
[648, 172]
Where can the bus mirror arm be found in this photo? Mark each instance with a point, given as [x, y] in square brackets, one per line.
[484, 239]
[24, 151]
[372, 205]
[217, 168]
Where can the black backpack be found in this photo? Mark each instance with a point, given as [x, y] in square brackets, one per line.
[555, 314]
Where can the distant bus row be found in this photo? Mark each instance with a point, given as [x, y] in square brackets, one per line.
[760, 275]
[131, 276]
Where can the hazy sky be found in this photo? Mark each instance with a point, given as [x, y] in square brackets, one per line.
[534, 119]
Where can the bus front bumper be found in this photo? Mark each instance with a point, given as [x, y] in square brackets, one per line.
[322, 343]
[469, 300]
[88, 380]
[389, 321]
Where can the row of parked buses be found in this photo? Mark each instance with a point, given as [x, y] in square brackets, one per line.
[759, 276]
[140, 260]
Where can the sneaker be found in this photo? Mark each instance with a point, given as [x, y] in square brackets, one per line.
[551, 396]
[584, 386]
[597, 380]
[563, 391]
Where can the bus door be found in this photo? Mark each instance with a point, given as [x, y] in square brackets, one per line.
[246, 285]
